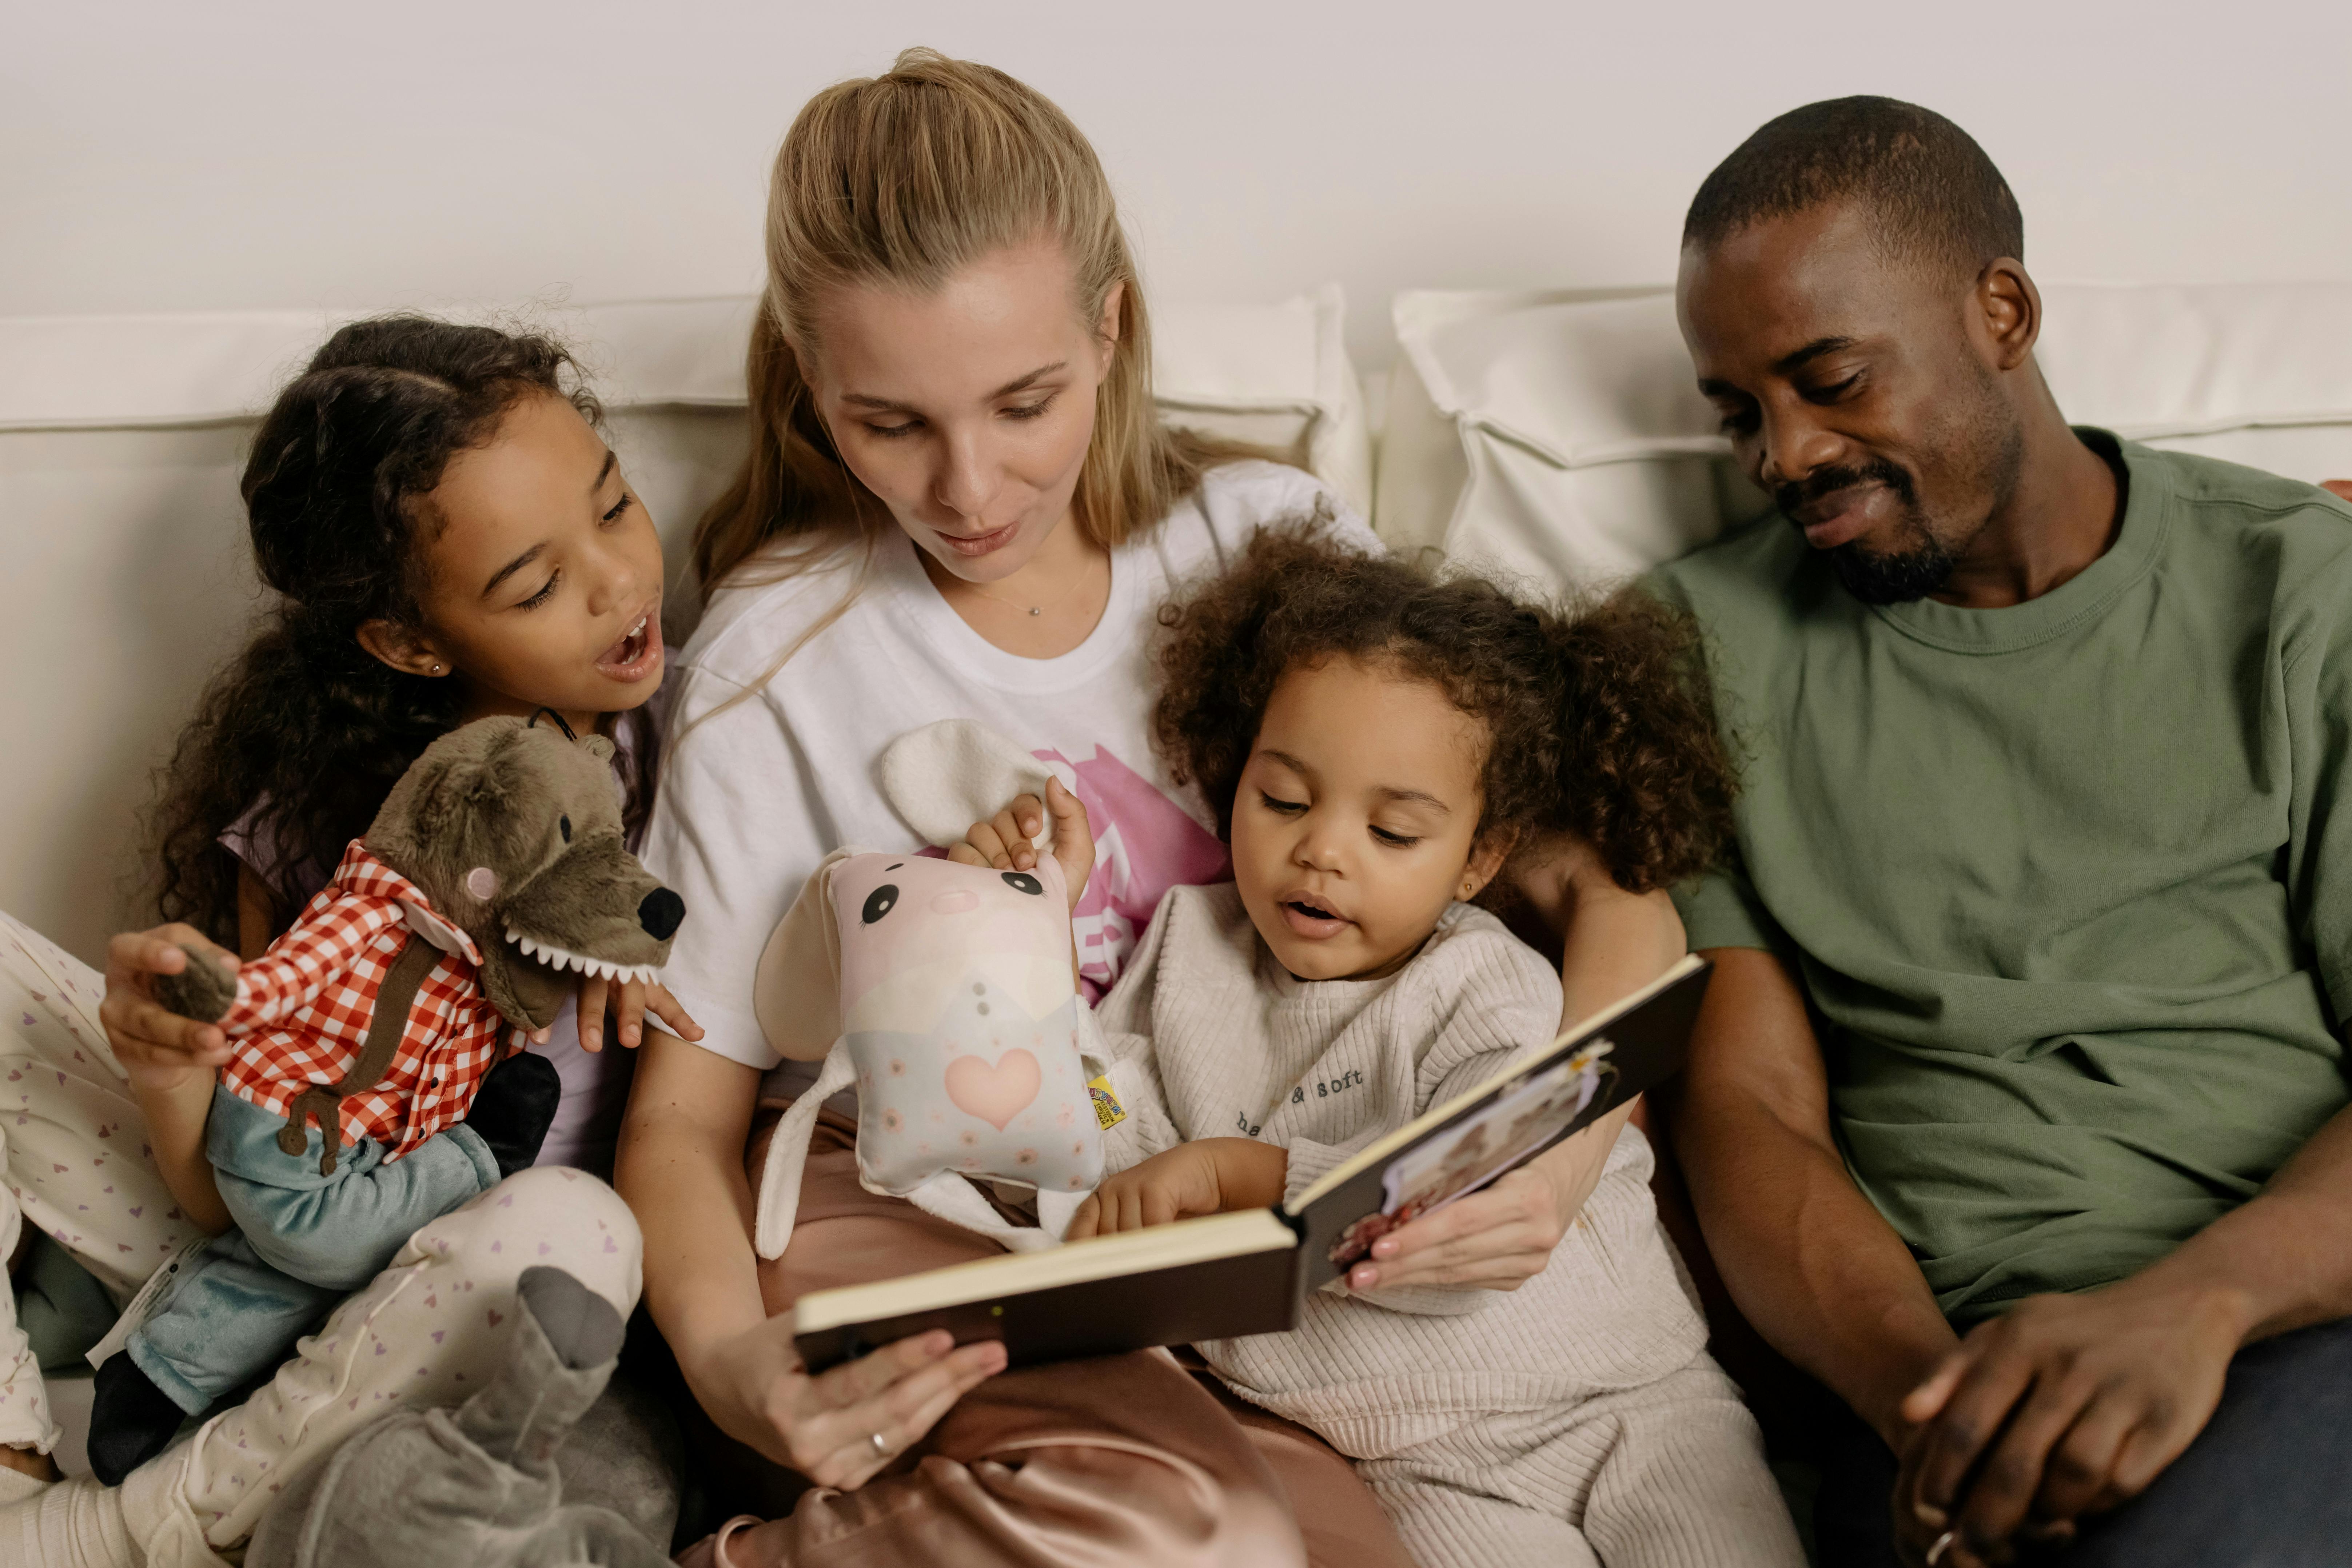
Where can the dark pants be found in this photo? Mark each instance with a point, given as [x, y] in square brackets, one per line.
[2268, 1483]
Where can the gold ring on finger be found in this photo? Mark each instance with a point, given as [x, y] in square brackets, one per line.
[1943, 1544]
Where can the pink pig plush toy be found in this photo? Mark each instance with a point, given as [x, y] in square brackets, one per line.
[945, 993]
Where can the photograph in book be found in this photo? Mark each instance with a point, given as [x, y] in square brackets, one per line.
[1526, 1106]
[1525, 1120]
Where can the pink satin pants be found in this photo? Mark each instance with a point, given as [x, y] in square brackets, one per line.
[1128, 1461]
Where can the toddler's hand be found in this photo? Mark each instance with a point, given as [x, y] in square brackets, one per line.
[1168, 1186]
[629, 1002]
[1207, 1175]
[1005, 841]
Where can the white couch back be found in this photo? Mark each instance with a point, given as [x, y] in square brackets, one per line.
[1554, 435]
[121, 439]
[1558, 437]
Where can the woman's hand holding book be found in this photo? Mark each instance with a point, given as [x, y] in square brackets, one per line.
[840, 1427]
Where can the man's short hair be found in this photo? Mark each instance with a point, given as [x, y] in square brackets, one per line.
[1936, 197]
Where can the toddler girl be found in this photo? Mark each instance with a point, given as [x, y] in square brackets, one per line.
[1379, 743]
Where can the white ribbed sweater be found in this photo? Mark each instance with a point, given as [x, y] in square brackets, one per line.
[1209, 1037]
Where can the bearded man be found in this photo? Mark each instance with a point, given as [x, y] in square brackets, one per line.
[2017, 1113]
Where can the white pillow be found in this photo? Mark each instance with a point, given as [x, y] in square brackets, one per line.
[1560, 437]
[1276, 374]
[121, 437]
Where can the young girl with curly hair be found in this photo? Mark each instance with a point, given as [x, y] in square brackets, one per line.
[1379, 744]
[447, 537]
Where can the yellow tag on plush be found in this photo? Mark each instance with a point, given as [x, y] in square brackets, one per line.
[1108, 1112]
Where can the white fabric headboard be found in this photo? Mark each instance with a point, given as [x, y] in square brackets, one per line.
[121, 437]
[1558, 437]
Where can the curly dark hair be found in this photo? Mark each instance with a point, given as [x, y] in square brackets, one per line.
[1601, 720]
[305, 724]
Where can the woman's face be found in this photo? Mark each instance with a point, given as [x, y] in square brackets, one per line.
[544, 574]
[968, 410]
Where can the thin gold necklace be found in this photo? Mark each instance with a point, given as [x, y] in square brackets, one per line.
[1052, 603]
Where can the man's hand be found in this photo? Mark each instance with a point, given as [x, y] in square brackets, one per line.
[159, 1049]
[2066, 1405]
[628, 1003]
[1208, 1175]
[2341, 487]
[1004, 840]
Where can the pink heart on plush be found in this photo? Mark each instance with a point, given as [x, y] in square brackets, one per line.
[994, 1094]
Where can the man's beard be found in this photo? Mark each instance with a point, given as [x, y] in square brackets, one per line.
[1918, 565]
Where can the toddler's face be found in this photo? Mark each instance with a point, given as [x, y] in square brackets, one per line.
[1356, 821]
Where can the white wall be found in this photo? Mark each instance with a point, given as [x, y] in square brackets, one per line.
[162, 155]
[239, 154]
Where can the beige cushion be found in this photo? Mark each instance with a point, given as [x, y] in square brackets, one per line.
[121, 437]
[1559, 436]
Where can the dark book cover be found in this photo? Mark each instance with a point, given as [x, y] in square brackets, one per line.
[1217, 1298]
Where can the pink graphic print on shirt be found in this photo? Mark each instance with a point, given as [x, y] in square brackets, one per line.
[1144, 844]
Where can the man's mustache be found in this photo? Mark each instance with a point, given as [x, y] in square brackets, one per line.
[1823, 482]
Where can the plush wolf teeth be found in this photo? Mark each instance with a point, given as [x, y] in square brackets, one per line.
[561, 958]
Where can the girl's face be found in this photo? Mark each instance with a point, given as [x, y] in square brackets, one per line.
[544, 574]
[1357, 818]
[968, 411]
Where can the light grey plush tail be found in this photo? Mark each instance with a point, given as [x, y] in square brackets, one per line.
[478, 1485]
[560, 1361]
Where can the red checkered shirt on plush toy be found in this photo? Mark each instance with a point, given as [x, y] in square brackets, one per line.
[302, 1010]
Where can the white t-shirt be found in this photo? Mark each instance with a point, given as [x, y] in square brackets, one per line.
[753, 798]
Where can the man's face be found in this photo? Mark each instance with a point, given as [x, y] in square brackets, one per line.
[1857, 392]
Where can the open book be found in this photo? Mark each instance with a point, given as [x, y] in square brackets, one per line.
[1224, 1275]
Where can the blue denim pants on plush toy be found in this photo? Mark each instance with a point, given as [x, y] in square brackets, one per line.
[302, 1242]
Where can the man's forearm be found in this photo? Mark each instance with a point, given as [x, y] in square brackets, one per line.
[2282, 1260]
[1811, 1264]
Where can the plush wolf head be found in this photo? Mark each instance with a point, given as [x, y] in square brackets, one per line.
[512, 828]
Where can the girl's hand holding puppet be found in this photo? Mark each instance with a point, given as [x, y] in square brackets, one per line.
[492, 881]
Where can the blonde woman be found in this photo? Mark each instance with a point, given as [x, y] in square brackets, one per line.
[958, 503]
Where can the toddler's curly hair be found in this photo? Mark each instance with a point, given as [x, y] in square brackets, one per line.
[1600, 719]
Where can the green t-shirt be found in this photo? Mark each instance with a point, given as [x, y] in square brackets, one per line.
[2069, 884]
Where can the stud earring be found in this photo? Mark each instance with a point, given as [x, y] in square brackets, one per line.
[436, 670]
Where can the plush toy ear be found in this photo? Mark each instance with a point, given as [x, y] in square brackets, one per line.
[597, 746]
[796, 990]
[949, 775]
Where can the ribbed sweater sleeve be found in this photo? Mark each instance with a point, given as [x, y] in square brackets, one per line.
[1124, 1059]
